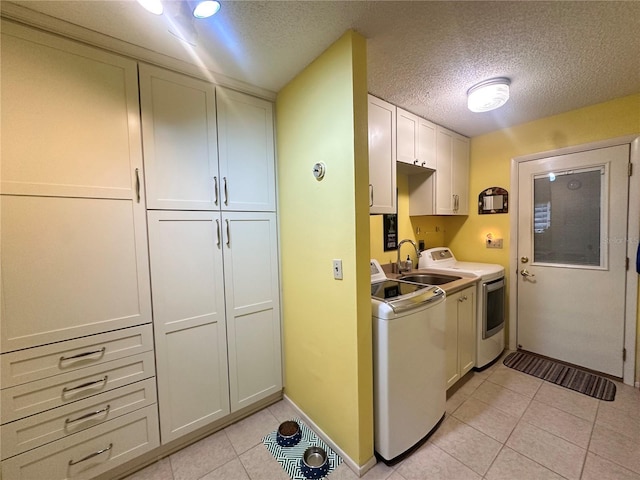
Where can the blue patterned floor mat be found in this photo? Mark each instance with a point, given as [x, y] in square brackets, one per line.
[289, 457]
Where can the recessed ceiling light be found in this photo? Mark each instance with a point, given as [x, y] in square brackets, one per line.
[206, 9]
[153, 6]
[488, 95]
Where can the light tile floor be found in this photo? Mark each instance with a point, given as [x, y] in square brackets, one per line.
[500, 424]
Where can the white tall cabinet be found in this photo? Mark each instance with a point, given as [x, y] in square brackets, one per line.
[77, 384]
[213, 248]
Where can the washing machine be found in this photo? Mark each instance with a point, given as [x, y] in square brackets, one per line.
[408, 364]
[491, 300]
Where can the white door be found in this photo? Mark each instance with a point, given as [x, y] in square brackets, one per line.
[189, 320]
[246, 153]
[179, 139]
[252, 306]
[572, 226]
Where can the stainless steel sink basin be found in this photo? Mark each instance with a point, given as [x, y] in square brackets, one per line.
[429, 278]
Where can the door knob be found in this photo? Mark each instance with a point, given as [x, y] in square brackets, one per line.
[524, 259]
[525, 273]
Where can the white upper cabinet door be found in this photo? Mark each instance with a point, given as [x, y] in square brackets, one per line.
[253, 306]
[382, 156]
[179, 139]
[452, 173]
[246, 152]
[71, 267]
[70, 118]
[189, 320]
[426, 144]
[407, 137]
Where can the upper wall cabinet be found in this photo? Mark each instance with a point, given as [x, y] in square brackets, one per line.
[382, 156]
[203, 152]
[416, 139]
[246, 153]
[180, 145]
[69, 118]
[446, 191]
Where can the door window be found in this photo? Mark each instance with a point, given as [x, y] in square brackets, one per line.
[568, 218]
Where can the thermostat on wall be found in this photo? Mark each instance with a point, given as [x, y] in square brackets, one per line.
[319, 170]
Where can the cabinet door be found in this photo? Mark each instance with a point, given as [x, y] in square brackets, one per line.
[253, 306]
[467, 330]
[407, 137]
[460, 183]
[71, 267]
[189, 320]
[246, 152]
[444, 173]
[180, 146]
[426, 144]
[452, 366]
[382, 156]
[70, 118]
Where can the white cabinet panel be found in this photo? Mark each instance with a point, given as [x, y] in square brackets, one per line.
[88, 453]
[460, 334]
[246, 153]
[71, 267]
[253, 307]
[180, 145]
[189, 316]
[382, 156]
[416, 139]
[69, 118]
[427, 144]
[452, 173]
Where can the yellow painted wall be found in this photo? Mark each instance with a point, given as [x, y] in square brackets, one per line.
[322, 117]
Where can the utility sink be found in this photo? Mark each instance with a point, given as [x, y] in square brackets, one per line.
[429, 278]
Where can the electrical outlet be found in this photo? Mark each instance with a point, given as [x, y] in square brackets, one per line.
[337, 269]
[494, 243]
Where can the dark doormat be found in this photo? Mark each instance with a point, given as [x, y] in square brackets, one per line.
[563, 375]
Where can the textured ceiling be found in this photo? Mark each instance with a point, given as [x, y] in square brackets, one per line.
[422, 56]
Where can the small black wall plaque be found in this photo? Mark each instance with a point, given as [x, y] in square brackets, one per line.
[390, 231]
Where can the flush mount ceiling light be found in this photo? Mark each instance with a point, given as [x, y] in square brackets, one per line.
[488, 95]
[153, 6]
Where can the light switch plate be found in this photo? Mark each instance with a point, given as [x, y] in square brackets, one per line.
[494, 243]
[337, 269]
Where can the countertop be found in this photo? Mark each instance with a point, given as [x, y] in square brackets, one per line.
[449, 288]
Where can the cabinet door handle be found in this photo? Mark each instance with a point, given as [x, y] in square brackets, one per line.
[228, 234]
[103, 380]
[137, 185]
[424, 163]
[91, 455]
[226, 193]
[78, 356]
[215, 189]
[370, 195]
[218, 231]
[415, 162]
[88, 415]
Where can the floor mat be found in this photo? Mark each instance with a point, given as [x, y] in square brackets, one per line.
[289, 457]
[563, 375]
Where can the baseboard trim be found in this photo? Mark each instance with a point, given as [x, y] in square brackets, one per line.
[359, 470]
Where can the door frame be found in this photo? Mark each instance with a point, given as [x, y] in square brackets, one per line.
[633, 218]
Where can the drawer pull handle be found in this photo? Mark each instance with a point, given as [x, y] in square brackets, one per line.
[215, 189]
[218, 230]
[226, 192]
[85, 385]
[228, 234]
[88, 415]
[84, 354]
[91, 455]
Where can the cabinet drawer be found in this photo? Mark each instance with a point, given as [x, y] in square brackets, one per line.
[91, 452]
[36, 397]
[28, 433]
[36, 363]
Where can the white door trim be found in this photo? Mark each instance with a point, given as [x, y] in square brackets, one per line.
[634, 236]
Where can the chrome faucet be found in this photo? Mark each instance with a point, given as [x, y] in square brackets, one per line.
[400, 269]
